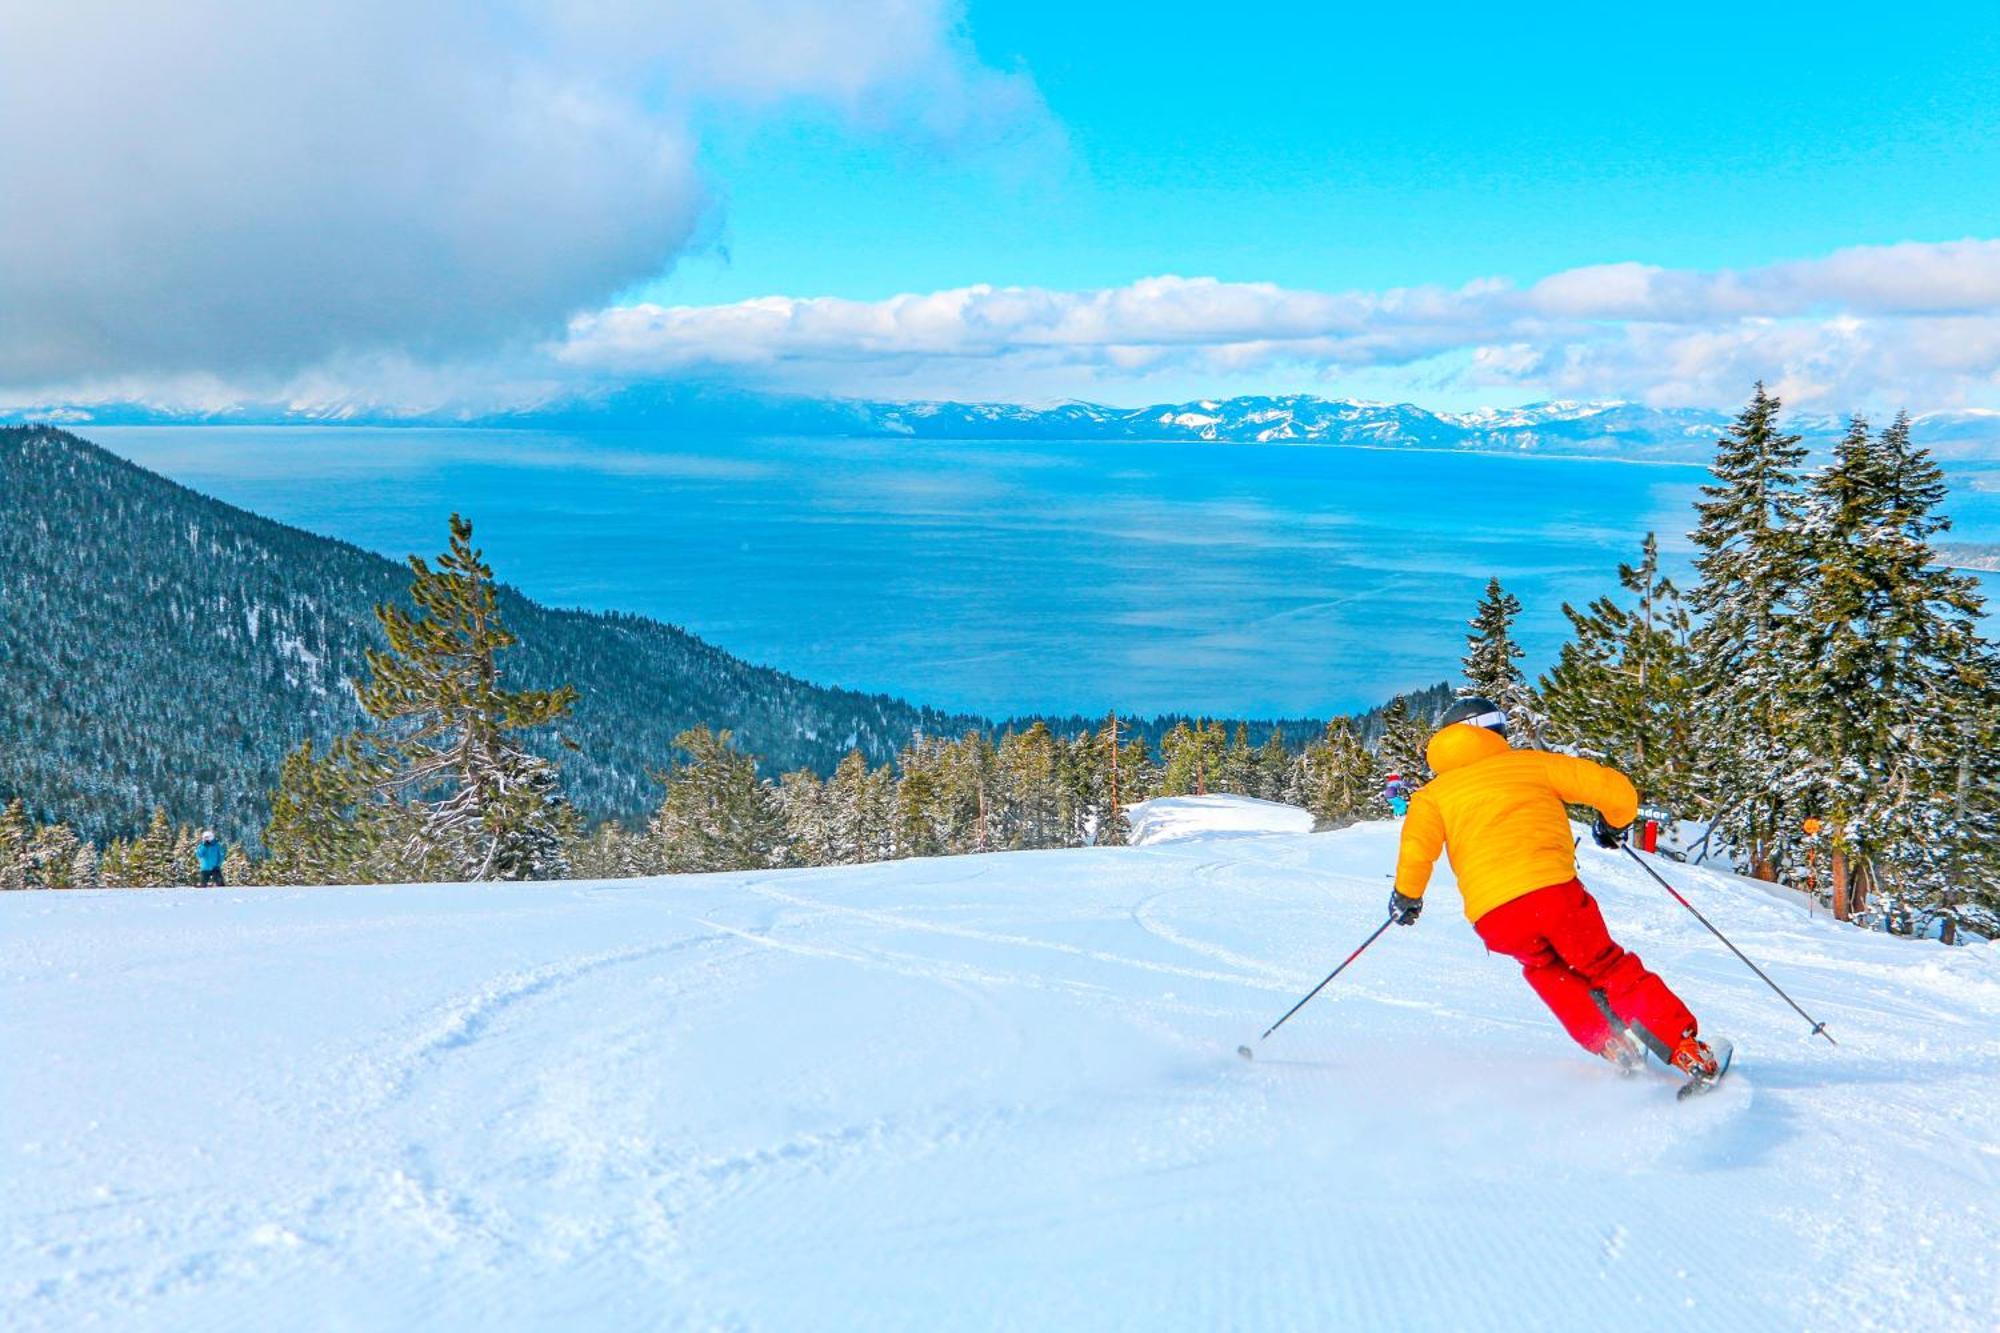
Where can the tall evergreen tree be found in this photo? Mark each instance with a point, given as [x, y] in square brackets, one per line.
[1030, 790]
[1274, 767]
[717, 814]
[1117, 790]
[1400, 751]
[1746, 532]
[17, 833]
[84, 872]
[486, 808]
[1890, 676]
[1492, 664]
[1337, 780]
[1622, 689]
[327, 824]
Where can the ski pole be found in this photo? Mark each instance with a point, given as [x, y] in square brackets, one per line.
[1817, 1026]
[1245, 1052]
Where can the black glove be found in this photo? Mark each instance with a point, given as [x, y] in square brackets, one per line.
[1607, 837]
[1404, 911]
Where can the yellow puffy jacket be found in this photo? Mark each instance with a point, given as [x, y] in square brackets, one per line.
[1500, 812]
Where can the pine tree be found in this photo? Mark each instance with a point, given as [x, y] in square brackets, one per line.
[609, 851]
[83, 868]
[1400, 751]
[1239, 764]
[1749, 567]
[1889, 672]
[922, 828]
[486, 808]
[717, 813]
[1622, 689]
[1110, 827]
[1030, 800]
[862, 812]
[1274, 767]
[327, 824]
[802, 801]
[1191, 759]
[152, 863]
[971, 794]
[17, 831]
[1491, 665]
[1337, 777]
[52, 857]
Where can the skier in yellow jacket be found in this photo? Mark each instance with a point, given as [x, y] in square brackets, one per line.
[1499, 813]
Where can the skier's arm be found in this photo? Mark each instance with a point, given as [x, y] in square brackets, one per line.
[1606, 790]
[1423, 839]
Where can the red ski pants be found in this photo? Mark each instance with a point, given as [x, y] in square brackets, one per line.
[1558, 937]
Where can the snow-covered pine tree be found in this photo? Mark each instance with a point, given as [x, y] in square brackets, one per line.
[485, 807]
[1492, 664]
[1622, 688]
[1191, 759]
[608, 851]
[1400, 751]
[1030, 800]
[802, 801]
[1891, 677]
[862, 808]
[1239, 764]
[83, 867]
[152, 864]
[17, 832]
[1274, 767]
[717, 813]
[920, 806]
[971, 794]
[1336, 776]
[1749, 567]
[1112, 788]
[52, 857]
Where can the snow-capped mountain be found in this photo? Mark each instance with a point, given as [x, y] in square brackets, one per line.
[1563, 427]
[1606, 428]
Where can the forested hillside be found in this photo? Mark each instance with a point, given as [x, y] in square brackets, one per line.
[162, 648]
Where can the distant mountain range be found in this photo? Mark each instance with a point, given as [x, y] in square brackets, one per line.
[1608, 429]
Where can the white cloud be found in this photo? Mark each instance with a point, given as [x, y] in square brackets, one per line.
[240, 188]
[1914, 322]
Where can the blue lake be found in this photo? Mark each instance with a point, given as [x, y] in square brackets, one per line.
[1002, 578]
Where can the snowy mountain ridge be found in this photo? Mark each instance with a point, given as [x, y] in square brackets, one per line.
[1612, 427]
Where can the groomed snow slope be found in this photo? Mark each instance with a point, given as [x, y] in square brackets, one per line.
[991, 1091]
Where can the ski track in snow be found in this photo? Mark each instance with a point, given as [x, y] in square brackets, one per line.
[978, 1092]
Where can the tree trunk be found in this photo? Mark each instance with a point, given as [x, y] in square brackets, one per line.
[1841, 909]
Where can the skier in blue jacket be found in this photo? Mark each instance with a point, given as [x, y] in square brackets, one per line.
[208, 854]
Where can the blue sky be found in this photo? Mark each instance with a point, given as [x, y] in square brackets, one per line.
[500, 202]
[1369, 146]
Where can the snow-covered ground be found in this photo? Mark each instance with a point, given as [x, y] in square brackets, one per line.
[990, 1091]
[1174, 818]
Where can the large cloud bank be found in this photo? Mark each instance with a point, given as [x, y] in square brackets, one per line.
[1920, 320]
[244, 189]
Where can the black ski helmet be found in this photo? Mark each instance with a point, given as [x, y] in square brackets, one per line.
[1479, 712]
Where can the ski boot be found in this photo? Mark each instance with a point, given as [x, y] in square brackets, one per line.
[1696, 1060]
[1625, 1054]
